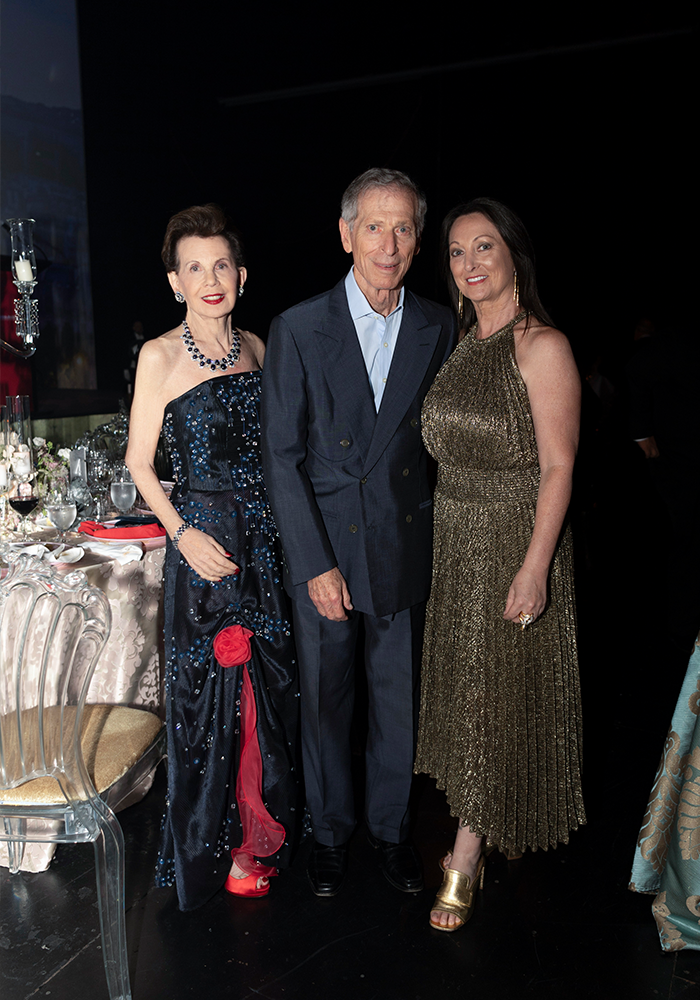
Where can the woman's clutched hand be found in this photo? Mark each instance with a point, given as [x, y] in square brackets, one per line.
[207, 558]
[527, 596]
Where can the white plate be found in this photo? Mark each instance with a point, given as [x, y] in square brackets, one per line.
[67, 557]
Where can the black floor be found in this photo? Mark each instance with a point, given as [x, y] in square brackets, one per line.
[554, 925]
[557, 925]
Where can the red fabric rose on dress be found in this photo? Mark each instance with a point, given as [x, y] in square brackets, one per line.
[232, 645]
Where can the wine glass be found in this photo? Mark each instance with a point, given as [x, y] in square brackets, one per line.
[23, 504]
[100, 474]
[62, 511]
[21, 459]
[122, 489]
[5, 469]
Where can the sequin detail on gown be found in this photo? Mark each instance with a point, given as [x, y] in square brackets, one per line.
[214, 434]
[500, 721]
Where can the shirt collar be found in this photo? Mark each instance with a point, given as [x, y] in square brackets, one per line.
[358, 304]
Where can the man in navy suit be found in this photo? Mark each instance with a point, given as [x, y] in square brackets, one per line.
[346, 471]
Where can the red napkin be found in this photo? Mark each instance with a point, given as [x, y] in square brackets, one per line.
[132, 531]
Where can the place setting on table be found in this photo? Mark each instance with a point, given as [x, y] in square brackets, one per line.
[134, 529]
[68, 502]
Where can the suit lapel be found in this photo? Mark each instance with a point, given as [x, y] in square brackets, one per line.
[344, 367]
[413, 353]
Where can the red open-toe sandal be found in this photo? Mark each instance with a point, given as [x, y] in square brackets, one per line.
[247, 886]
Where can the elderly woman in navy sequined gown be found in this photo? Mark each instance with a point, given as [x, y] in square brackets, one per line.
[231, 676]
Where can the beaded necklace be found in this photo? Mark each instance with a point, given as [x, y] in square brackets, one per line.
[229, 361]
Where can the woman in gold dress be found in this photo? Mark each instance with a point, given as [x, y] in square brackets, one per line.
[500, 708]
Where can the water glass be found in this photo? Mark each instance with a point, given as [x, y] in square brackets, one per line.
[62, 512]
[122, 489]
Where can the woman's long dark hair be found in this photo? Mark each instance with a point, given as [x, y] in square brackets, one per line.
[516, 238]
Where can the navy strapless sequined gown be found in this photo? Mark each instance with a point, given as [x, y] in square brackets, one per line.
[214, 434]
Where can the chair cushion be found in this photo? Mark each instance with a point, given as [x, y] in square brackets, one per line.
[113, 739]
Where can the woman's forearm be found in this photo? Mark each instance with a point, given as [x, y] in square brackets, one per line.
[144, 475]
[552, 504]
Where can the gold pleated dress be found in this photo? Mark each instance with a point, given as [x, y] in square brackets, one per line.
[500, 720]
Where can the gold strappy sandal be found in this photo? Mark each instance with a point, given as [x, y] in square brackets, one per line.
[457, 895]
[489, 849]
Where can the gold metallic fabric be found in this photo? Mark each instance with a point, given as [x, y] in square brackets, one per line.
[500, 722]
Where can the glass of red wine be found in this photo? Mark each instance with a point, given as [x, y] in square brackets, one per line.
[21, 458]
[24, 505]
[5, 468]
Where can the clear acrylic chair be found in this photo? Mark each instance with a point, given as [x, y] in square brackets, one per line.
[53, 744]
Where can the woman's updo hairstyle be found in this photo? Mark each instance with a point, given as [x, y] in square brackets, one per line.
[204, 221]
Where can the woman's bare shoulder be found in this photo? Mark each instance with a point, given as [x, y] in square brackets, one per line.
[543, 354]
[162, 347]
[160, 354]
[538, 340]
[254, 345]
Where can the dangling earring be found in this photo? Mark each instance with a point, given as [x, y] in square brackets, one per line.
[179, 297]
[460, 310]
[516, 289]
[240, 290]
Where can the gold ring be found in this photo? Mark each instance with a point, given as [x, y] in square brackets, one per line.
[525, 620]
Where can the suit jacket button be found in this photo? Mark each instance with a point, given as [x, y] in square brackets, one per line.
[405, 472]
[414, 422]
[409, 518]
[363, 481]
[353, 528]
[345, 443]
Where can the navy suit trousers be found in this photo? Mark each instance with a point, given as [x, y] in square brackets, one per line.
[327, 655]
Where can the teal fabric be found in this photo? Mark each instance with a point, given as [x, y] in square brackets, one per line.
[667, 859]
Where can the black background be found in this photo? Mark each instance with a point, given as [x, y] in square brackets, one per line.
[580, 123]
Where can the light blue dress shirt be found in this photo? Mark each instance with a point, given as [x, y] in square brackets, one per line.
[377, 335]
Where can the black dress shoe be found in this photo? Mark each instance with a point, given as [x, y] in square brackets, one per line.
[400, 864]
[327, 868]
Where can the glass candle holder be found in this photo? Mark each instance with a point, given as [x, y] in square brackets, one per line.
[19, 439]
[23, 258]
[24, 272]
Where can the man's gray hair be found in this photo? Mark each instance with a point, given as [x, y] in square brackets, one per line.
[381, 177]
